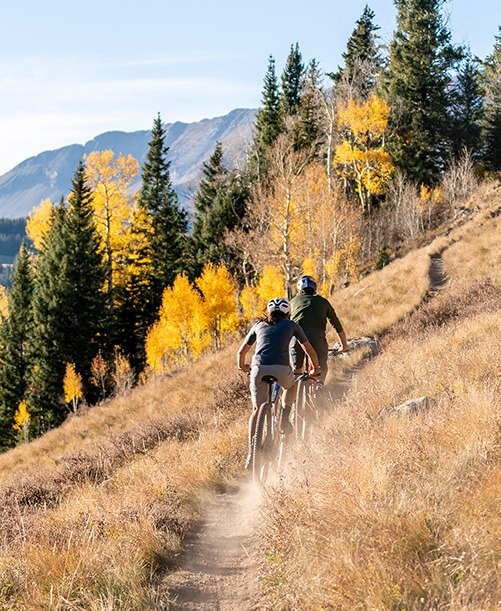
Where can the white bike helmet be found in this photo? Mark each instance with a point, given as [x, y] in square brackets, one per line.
[306, 282]
[279, 304]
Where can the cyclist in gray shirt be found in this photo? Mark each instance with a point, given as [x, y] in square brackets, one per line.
[272, 337]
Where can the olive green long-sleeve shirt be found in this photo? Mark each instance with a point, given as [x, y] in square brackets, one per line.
[313, 311]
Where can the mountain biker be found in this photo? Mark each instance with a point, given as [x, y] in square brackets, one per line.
[311, 312]
[272, 336]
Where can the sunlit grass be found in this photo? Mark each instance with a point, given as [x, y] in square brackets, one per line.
[394, 511]
[381, 511]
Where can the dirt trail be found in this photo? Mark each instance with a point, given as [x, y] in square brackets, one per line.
[218, 568]
[436, 274]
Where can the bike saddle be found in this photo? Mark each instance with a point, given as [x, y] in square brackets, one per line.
[270, 379]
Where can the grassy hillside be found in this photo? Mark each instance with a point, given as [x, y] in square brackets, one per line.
[400, 514]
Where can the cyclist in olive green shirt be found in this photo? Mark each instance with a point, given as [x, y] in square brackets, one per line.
[311, 312]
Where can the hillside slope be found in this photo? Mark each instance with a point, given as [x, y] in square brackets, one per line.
[401, 512]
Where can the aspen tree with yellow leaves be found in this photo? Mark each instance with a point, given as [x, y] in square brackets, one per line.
[22, 421]
[275, 219]
[331, 238]
[180, 334]
[219, 304]
[361, 157]
[110, 179]
[253, 299]
[72, 386]
[39, 222]
[4, 302]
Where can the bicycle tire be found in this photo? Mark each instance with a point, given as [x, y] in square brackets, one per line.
[311, 414]
[300, 423]
[262, 445]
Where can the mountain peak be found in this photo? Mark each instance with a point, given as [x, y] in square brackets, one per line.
[48, 175]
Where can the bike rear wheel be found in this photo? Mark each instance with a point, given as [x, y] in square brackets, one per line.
[263, 445]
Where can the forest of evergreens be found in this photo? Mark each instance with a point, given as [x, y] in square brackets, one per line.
[346, 170]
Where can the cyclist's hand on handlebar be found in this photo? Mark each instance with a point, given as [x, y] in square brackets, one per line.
[245, 368]
[315, 372]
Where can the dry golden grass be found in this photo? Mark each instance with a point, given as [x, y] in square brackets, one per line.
[91, 527]
[372, 305]
[401, 515]
[393, 510]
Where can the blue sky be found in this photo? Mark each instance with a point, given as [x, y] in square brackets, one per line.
[70, 71]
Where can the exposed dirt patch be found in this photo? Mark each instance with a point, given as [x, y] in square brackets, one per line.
[218, 569]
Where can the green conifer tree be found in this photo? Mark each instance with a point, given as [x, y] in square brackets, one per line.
[71, 311]
[220, 204]
[269, 121]
[416, 84]
[16, 357]
[308, 129]
[492, 117]
[164, 255]
[467, 108]
[362, 59]
[292, 82]
[169, 220]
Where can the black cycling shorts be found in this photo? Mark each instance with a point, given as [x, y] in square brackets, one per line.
[319, 342]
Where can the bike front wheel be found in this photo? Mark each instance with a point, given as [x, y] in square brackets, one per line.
[263, 445]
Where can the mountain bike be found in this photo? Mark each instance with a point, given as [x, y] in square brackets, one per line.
[268, 440]
[305, 408]
[308, 406]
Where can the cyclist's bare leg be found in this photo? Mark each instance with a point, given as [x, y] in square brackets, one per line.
[252, 424]
[252, 430]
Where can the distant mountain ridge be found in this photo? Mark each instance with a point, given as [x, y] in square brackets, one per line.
[49, 174]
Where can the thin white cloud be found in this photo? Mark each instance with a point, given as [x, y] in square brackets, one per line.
[47, 105]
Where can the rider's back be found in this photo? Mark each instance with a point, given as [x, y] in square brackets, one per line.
[313, 311]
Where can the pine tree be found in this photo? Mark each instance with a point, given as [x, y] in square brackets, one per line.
[292, 82]
[417, 82]
[467, 108]
[269, 122]
[362, 59]
[16, 357]
[162, 251]
[169, 221]
[308, 128]
[492, 117]
[220, 204]
[71, 310]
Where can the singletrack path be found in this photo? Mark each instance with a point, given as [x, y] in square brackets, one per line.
[218, 568]
[436, 274]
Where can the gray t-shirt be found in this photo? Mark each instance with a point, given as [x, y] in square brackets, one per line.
[272, 347]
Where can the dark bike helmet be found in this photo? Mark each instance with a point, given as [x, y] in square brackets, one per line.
[306, 282]
[279, 304]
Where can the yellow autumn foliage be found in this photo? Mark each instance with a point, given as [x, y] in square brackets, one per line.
[180, 334]
[72, 385]
[38, 223]
[219, 303]
[271, 285]
[250, 303]
[115, 208]
[360, 155]
[4, 302]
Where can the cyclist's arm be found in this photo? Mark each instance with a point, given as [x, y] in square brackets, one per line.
[344, 341]
[242, 351]
[336, 323]
[310, 351]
